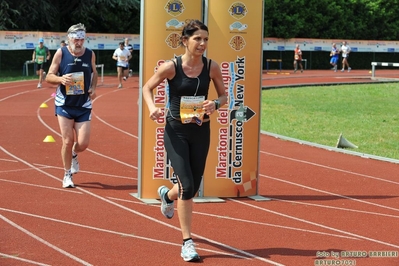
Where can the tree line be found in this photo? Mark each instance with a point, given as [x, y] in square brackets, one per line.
[317, 19]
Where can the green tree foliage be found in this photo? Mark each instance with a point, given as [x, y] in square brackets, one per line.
[109, 16]
[326, 19]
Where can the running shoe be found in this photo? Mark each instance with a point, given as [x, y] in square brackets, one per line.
[130, 72]
[342, 70]
[167, 209]
[75, 164]
[188, 252]
[349, 69]
[124, 78]
[120, 86]
[44, 76]
[67, 181]
[39, 85]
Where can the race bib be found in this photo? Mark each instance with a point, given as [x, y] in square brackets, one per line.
[78, 86]
[40, 59]
[122, 58]
[296, 57]
[191, 109]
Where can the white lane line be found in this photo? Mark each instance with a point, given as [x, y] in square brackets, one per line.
[108, 124]
[14, 257]
[335, 208]
[8, 160]
[242, 252]
[316, 224]
[14, 95]
[88, 149]
[39, 186]
[330, 168]
[251, 221]
[116, 232]
[330, 193]
[41, 240]
[87, 172]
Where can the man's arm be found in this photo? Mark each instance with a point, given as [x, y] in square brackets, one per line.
[92, 89]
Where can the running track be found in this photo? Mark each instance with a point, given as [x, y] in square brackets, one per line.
[323, 202]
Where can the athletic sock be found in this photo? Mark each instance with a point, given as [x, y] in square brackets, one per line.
[186, 239]
[167, 199]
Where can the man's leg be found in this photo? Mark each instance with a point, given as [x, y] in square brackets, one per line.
[67, 134]
[119, 70]
[82, 130]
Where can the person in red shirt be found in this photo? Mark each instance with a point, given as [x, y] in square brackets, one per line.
[297, 58]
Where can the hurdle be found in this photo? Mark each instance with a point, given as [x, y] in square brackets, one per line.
[273, 60]
[25, 69]
[102, 72]
[374, 64]
[306, 63]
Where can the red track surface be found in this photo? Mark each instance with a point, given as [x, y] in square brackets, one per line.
[322, 201]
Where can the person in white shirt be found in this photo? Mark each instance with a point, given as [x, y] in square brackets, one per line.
[122, 57]
[345, 50]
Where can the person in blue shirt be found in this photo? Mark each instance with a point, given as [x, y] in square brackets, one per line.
[334, 57]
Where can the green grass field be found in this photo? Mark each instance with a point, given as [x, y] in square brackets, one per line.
[367, 115]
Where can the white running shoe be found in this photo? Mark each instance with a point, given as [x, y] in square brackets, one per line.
[67, 181]
[349, 69]
[167, 209]
[75, 164]
[124, 78]
[188, 252]
[120, 86]
[39, 85]
[44, 76]
[130, 72]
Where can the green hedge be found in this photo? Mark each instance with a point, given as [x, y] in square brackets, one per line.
[12, 62]
[321, 59]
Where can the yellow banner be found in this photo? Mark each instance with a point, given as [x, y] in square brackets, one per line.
[162, 23]
[235, 42]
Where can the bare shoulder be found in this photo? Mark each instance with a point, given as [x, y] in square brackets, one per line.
[58, 54]
[167, 69]
[214, 68]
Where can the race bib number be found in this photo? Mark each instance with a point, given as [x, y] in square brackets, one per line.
[78, 86]
[40, 59]
[191, 109]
